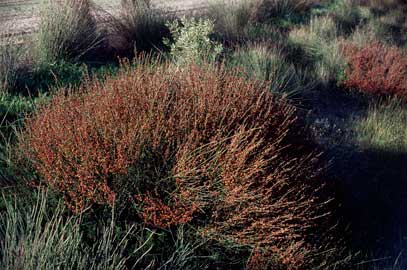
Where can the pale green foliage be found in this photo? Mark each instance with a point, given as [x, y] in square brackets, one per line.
[192, 41]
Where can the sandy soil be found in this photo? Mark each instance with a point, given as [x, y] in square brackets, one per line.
[20, 16]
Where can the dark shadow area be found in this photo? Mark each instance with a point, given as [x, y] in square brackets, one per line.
[370, 185]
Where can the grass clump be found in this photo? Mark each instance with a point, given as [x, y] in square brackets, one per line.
[198, 146]
[192, 41]
[316, 46]
[384, 128]
[240, 21]
[11, 60]
[347, 15]
[67, 31]
[231, 19]
[139, 27]
[32, 237]
[290, 10]
[265, 63]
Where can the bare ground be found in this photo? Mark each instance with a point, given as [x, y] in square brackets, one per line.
[20, 16]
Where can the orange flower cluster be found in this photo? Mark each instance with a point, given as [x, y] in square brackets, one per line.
[198, 144]
[376, 69]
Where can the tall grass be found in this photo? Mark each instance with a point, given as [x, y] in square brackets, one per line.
[347, 15]
[265, 10]
[67, 31]
[238, 21]
[231, 19]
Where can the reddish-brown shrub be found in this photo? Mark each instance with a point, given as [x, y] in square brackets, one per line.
[198, 145]
[376, 69]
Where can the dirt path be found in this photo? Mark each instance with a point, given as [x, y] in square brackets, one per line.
[20, 16]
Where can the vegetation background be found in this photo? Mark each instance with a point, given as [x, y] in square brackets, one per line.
[264, 134]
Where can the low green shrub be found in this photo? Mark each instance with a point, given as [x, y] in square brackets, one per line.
[44, 77]
[192, 41]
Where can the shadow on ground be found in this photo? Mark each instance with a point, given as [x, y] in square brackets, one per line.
[370, 184]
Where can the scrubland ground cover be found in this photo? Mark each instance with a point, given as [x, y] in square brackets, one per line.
[264, 134]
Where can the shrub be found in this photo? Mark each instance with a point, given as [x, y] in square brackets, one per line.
[192, 41]
[187, 145]
[138, 27]
[376, 69]
[67, 31]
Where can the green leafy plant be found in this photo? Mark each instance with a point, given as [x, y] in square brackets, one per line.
[192, 41]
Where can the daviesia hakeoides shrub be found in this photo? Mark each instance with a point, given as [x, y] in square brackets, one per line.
[198, 144]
